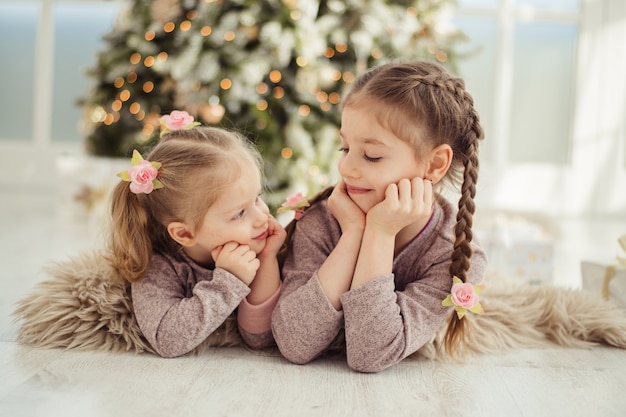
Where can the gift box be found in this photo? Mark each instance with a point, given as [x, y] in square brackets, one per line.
[531, 261]
[605, 278]
[517, 247]
[85, 185]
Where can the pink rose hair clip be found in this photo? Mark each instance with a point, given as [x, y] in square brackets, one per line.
[464, 298]
[142, 175]
[176, 120]
[296, 202]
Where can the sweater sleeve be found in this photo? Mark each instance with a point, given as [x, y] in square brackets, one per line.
[304, 321]
[175, 323]
[255, 321]
[384, 326]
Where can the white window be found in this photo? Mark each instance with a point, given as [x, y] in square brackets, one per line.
[548, 78]
[46, 46]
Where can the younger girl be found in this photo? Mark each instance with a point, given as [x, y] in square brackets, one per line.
[192, 235]
[377, 257]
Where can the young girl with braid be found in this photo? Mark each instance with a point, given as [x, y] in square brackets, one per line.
[373, 258]
[194, 238]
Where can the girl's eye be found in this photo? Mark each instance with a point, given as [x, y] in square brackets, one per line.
[365, 156]
[371, 159]
[239, 215]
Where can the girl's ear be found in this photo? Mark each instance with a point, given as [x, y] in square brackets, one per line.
[181, 233]
[438, 163]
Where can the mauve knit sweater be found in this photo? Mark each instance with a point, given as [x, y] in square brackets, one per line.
[179, 304]
[384, 320]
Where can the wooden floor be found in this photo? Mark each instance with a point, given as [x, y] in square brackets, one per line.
[235, 382]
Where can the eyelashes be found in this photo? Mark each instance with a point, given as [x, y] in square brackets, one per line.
[242, 213]
[365, 156]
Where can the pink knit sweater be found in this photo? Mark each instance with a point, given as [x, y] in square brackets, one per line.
[179, 304]
[386, 319]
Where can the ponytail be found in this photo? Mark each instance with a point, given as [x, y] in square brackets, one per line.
[129, 242]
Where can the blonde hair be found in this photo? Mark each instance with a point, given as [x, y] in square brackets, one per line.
[426, 106]
[196, 165]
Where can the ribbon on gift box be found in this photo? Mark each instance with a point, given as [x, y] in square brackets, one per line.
[610, 269]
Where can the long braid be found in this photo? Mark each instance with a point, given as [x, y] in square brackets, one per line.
[463, 228]
[465, 149]
[462, 251]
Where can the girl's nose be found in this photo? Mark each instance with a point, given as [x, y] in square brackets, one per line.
[347, 167]
[261, 214]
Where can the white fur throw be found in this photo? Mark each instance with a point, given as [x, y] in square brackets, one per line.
[521, 315]
[85, 305]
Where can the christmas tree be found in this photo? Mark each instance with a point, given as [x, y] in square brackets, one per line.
[273, 69]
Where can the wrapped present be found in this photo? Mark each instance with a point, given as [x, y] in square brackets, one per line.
[518, 247]
[86, 183]
[607, 278]
[530, 260]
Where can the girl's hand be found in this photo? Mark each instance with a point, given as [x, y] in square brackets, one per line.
[275, 237]
[405, 203]
[347, 213]
[237, 259]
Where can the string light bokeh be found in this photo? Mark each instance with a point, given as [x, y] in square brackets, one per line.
[277, 75]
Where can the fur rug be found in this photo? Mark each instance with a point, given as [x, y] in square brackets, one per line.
[519, 315]
[85, 305]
